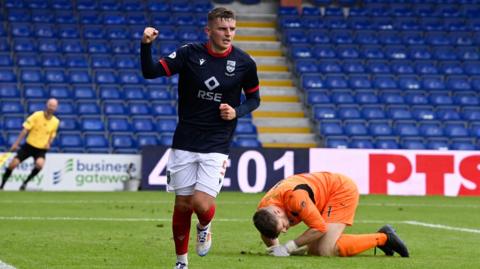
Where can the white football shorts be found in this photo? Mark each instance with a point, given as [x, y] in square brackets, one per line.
[189, 171]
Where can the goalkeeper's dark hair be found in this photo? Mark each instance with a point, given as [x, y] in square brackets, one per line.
[266, 223]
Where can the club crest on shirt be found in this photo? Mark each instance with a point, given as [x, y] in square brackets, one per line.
[201, 61]
[172, 55]
[230, 68]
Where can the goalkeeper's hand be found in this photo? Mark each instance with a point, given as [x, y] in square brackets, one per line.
[282, 250]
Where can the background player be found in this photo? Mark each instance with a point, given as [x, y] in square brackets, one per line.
[211, 79]
[41, 128]
[326, 203]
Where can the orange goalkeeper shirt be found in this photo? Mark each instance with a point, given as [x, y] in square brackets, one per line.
[312, 197]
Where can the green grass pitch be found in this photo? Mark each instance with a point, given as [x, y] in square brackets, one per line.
[131, 230]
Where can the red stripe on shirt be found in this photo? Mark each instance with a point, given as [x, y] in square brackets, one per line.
[254, 89]
[165, 67]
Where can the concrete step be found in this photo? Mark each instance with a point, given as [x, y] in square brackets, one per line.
[265, 53]
[286, 138]
[285, 122]
[280, 107]
[274, 75]
[280, 91]
[278, 60]
[253, 22]
[255, 38]
[278, 114]
[258, 45]
[255, 31]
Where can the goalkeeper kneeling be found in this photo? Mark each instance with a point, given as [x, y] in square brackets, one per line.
[326, 203]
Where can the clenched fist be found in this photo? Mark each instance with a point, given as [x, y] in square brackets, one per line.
[149, 34]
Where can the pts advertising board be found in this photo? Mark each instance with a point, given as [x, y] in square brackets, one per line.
[393, 172]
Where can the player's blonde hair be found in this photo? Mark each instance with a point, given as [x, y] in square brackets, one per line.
[266, 223]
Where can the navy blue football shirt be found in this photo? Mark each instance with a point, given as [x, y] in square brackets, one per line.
[206, 79]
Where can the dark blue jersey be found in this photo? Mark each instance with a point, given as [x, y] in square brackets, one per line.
[207, 79]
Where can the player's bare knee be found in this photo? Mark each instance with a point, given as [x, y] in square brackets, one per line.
[327, 250]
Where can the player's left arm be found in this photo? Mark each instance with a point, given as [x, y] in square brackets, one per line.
[251, 88]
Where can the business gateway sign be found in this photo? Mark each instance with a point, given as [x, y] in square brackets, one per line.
[78, 172]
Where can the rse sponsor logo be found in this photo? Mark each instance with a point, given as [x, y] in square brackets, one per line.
[211, 84]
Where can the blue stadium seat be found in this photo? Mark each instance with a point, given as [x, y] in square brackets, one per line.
[433, 83]
[139, 108]
[11, 123]
[431, 129]
[360, 82]
[11, 107]
[120, 47]
[110, 93]
[289, 22]
[342, 37]
[354, 67]
[386, 143]
[366, 37]
[79, 76]
[447, 113]
[101, 61]
[66, 108]
[324, 52]
[119, 124]
[166, 125]
[355, 127]
[247, 142]
[125, 62]
[349, 112]
[440, 98]
[147, 139]
[413, 143]
[416, 97]
[163, 109]
[361, 142]
[68, 31]
[384, 82]
[88, 108]
[9, 91]
[6, 60]
[311, 22]
[330, 127]
[92, 124]
[462, 144]
[113, 18]
[106, 77]
[423, 112]
[53, 76]
[138, 18]
[70, 142]
[402, 67]
[98, 46]
[72, 46]
[68, 123]
[35, 105]
[406, 128]
[373, 112]
[27, 60]
[294, 36]
[109, 5]
[60, 91]
[342, 97]
[437, 143]
[318, 36]
[336, 142]
[419, 53]
[166, 139]
[454, 129]
[34, 91]
[306, 66]
[451, 68]
[52, 60]
[379, 128]
[134, 93]
[159, 93]
[143, 124]
[188, 34]
[317, 97]
[130, 77]
[391, 97]
[33, 75]
[413, 38]
[329, 66]
[458, 83]
[336, 82]
[115, 108]
[471, 68]
[300, 51]
[426, 68]
[48, 45]
[399, 112]
[42, 15]
[407, 82]
[245, 128]
[467, 98]
[76, 60]
[96, 143]
[326, 111]
[378, 67]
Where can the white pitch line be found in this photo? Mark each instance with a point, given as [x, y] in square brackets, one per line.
[5, 266]
[218, 202]
[441, 226]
